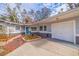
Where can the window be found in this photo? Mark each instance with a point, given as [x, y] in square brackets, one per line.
[34, 28]
[45, 28]
[41, 28]
[17, 27]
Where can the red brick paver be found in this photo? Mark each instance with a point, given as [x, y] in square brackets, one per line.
[13, 44]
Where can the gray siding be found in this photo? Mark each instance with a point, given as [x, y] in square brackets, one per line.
[4, 31]
[9, 28]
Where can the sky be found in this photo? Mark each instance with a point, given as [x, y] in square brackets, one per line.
[34, 6]
[28, 6]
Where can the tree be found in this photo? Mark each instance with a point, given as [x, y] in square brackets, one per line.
[18, 6]
[13, 12]
[40, 14]
[22, 12]
[32, 14]
[70, 5]
[12, 16]
[76, 4]
[45, 12]
[73, 5]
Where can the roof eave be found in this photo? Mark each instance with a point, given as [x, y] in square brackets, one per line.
[59, 17]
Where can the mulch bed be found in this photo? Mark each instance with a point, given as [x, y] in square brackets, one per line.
[5, 37]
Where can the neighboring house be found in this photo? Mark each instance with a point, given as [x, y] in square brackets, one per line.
[64, 26]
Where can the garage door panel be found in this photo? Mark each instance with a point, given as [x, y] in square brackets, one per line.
[63, 31]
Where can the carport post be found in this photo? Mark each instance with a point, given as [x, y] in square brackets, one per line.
[25, 29]
[74, 27]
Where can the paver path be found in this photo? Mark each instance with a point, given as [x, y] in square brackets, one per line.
[12, 45]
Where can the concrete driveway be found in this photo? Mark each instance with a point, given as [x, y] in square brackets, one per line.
[44, 47]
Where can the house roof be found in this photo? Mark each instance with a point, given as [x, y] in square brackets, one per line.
[27, 20]
[14, 23]
[9, 22]
[68, 15]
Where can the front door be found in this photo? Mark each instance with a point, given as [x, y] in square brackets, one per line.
[27, 30]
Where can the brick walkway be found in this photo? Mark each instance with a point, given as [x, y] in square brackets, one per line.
[12, 45]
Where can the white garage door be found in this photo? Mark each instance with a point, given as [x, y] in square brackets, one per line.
[63, 31]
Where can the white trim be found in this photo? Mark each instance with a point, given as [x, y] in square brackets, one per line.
[41, 31]
[44, 32]
[52, 31]
[74, 27]
[34, 31]
[77, 34]
[14, 32]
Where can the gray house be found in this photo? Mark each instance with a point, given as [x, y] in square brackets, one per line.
[63, 26]
[7, 27]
